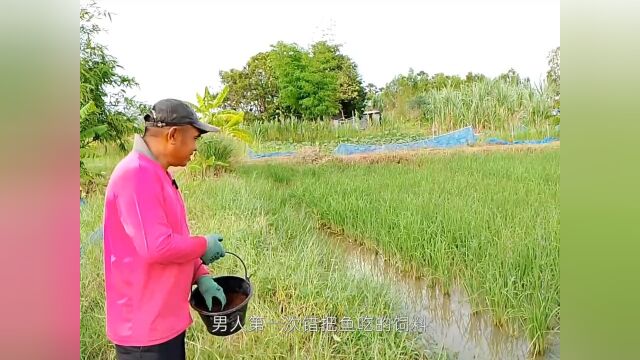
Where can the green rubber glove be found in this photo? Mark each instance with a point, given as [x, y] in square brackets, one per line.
[210, 289]
[214, 249]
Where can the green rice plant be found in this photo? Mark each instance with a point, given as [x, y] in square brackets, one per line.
[487, 220]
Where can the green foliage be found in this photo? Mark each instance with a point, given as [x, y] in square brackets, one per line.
[89, 180]
[398, 96]
[351, 93]
[99, 73]
[253, 89]
[449, 102]
[553, 79]
[290, 81]
[553, 74]
[215, 151]
[304, 91]
[291, 132]
[451, 218]
[107, 114]
[229, 121]
[201, 164]
[219, 147]
[88, 135]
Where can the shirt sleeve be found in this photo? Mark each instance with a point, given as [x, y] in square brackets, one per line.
[141, 209]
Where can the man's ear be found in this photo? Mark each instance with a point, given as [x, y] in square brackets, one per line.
[171, 135]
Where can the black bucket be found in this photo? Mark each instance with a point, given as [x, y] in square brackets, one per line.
[238, 292]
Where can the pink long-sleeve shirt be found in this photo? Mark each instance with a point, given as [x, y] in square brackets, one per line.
[150, 259]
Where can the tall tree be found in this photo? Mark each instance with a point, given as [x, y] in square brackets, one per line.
[290, 67]
[263, 87]
[289, 80]
[237, 82]
[305, 89]
[253, 89]
[351, 93]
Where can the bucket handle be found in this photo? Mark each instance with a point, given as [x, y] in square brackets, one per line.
[246, 276]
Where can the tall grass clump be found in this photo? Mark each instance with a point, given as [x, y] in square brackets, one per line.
[486, 104]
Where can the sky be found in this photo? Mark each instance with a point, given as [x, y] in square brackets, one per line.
[175, 48]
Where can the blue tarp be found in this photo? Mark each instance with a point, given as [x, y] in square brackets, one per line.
[496, 141]
[462, 137]
[253, 155]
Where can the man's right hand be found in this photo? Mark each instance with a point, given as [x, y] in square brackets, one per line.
[214, 249]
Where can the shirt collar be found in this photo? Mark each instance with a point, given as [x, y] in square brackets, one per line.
[141, 147]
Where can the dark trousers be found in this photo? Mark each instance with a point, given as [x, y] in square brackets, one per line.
[170, 350]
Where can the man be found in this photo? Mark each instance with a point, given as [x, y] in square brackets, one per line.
[150, 259]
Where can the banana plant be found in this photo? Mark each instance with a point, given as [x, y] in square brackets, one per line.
[229, 121]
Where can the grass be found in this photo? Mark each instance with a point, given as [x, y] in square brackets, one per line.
[521, 133]
[104, 157]
[99, 163]
[293, 273]
[490, 221]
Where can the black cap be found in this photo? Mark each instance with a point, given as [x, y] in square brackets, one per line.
[168, 112]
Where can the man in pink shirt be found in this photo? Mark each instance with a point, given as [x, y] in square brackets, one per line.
[151, 260]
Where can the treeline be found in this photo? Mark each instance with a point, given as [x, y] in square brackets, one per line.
[292, 82]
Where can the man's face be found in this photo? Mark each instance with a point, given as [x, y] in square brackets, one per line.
[182, 144]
